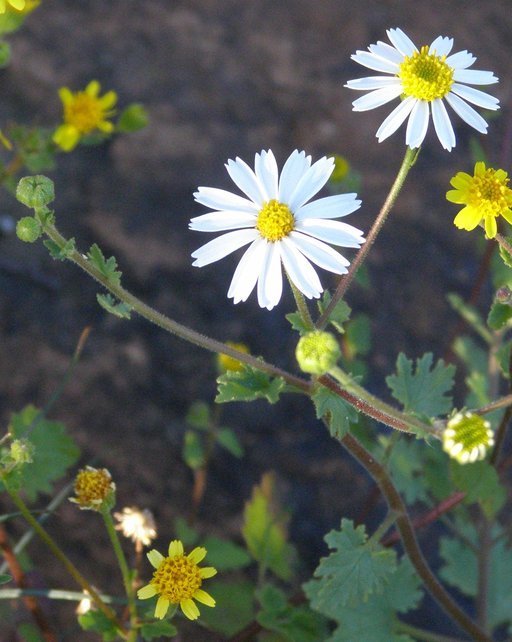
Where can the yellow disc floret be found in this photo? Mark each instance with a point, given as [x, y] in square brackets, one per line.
[486, 196]
[425, 75]
[94, 488]
[467, 437]
[177, 579]
[275, 221]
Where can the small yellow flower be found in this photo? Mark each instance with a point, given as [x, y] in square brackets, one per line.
[94, 489]
[178, 580]
[138, 525]
[467, 437]
[486, 196]
[5, 5]
[84, 112]
[225, 362]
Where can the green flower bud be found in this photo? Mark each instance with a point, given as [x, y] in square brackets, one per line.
[28, 229]
[317, 352]
[133, 118]
[35, 191]
[22, 451]
[467, 437]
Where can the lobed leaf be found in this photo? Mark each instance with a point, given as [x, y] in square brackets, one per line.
[338, 413]
[107, 267]
[248, 384]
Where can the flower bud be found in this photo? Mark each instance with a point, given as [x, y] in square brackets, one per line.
[28, 229]
[467, 437]
[35, 191]
[22, 451]
[317, 352]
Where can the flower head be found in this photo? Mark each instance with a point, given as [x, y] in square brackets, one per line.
[226, 363]
[6, 5]
[467, 437]
[84, 112]
[424, 79]
[317, 352]
[280, 225]
[138, 525]
[177, 580]
[486, 196]
[94, 489]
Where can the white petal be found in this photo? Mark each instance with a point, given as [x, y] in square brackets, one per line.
[418, 124]
[377, 98]
[475, 96]
[311, 182]
[218, 221]
[244, 178]
[270, 281]
[221, 199]
[320, 253]
[329, 207]
[266, 170]
[402, 42]
[475, 77]
[467, 113]
[295, 167]
[443, 125]
[247, 271]
[300, 270]
[333, 232]
[373, 82]
[395, 118]
[222, 246]
[376, 63]
[383, 50]
[460, 60]
[441, 46]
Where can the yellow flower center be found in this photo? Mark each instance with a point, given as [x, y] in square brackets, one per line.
[92, 487]
[489, 192]
[84, 112]
[275, 221]
[425, 76]
[177, 578]
[471, 431]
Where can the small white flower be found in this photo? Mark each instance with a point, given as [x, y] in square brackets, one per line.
[280, 225]
[424, 79]
[138, 525]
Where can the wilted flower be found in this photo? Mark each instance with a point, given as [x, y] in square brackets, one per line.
[467, 437]
[94, 489]
[138, 525]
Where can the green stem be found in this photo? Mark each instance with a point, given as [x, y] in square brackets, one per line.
[302, 307]
[60, 555]
[168, 324]
[346, 280]
[125, 572]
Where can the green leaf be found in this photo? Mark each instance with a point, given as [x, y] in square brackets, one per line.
[357, 568]
[187, 534]
[339, 316]
[481, 484]
[374, 619]
[28, 632]
[475, 360]
[505, 256]
[132, 119]
[107, 267]
[338, 413]
[58, 253]
[265, 532]
[225, 555]
[54, 451]
[499, 315]
[193, 450]
[470, 315]
[422, 392]
[293, 623]
[228, 440]
[5, 579]
[98, 622]
[153, 630]
[248, 384]
[297, 323]
[198, 415]
[117, 308]
[234, 608]
[358, 336]
[407, 465]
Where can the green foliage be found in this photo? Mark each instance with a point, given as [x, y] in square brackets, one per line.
[34, 146]
[423, 391]
[461, 571]
[499, 316]
[5, 579]
[265, 532]
[337, 412]
[226, 437]
[29, 632]
[132, 119]
[297, 323]
[356, 569]
[406, 463]
[154, 630]
[470, 315]
[98, 622]
[54, 451]
[481, 484]
[225, 555]
[187, 534]
[234, 608]
[117, 308]
[107, 267]
[248, 384]
[340, 314]
[293, 623]
[374, 619]
[193, 450]
[505, 256]
[198, 415]
[475, 360]
[60, 253]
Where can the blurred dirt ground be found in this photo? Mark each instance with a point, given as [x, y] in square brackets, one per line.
[219, 79]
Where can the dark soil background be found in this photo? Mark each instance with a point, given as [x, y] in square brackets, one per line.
[219, 79]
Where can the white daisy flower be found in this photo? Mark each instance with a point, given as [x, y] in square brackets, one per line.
[424, 80]
[280, 225]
